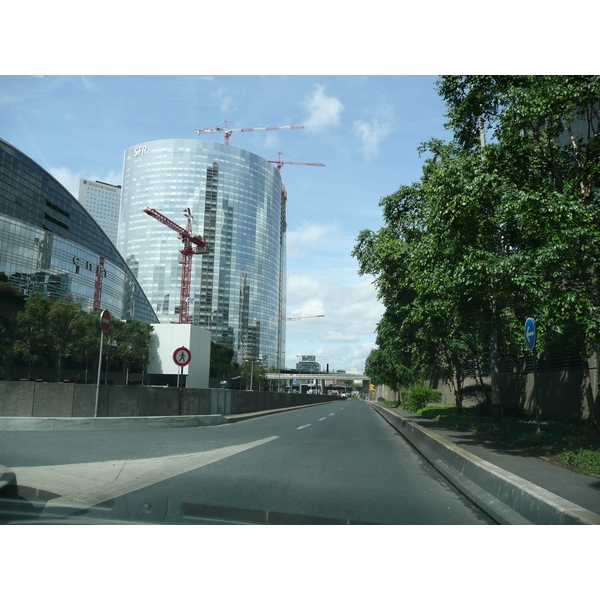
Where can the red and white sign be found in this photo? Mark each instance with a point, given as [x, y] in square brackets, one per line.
[182, 356]
[105, 320]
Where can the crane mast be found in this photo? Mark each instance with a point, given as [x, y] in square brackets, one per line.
[200, 247]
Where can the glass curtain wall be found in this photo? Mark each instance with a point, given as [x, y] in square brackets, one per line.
[237, 288]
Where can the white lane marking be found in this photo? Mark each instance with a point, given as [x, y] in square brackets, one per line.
[331, 414]
[322, 418]
[302, 427]
[86, 484]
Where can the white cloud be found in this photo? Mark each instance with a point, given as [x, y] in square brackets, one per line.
[324, 110]
[225, 99]
[308, 236]
[372, 132]
[345, 335]
[71, 180]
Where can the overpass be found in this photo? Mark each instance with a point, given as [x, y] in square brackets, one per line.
[318, 376]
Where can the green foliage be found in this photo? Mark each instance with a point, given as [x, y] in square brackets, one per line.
[252, 376]
[479, 393]
[49, 330]
[573, 444]
[419, 396]
[494, 232]
[221, 364]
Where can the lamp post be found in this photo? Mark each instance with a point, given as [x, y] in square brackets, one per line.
[252, 370]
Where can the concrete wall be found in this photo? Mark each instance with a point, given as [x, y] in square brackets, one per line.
[33, 399]
[559, 393]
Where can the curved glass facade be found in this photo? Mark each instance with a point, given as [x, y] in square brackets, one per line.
[50, 244]
[238, 287]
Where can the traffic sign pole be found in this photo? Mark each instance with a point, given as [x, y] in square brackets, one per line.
[104, 326]
[530, 339]
[181, 357]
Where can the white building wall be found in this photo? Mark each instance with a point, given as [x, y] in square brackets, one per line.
[167, 338]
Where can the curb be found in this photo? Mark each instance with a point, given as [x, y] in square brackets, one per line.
[64, 423]
[507, 498]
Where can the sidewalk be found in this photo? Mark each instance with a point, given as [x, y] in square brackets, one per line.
[487, 469]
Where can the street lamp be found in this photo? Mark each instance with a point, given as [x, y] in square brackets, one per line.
[252, 370]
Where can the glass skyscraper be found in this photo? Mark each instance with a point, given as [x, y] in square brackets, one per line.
[50, 244]
[237, 200]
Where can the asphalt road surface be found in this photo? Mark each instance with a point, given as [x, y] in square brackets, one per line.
[338, 463]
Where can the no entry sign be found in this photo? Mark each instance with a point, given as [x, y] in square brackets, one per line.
[105, 320]
[182, 356]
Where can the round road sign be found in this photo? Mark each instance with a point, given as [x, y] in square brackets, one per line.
[182, 356]
[105, 320]
[530, 334]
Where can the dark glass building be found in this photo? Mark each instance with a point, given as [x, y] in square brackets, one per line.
[50, 244]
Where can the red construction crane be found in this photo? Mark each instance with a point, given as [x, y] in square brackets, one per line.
[98, 287]
[228, 131]
[280, 162]
[298, 318]
[187, 252]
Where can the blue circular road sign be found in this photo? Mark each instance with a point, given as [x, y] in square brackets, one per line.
[530, 334]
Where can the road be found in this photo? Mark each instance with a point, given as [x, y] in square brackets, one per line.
[328, 464]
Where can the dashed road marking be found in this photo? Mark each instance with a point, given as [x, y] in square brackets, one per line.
[322, 418]
[303, 426]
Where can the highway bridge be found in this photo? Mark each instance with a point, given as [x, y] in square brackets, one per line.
[352, 376]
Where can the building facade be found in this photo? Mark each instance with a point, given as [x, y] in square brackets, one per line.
[237, 288]
[308, 364]
[50, 244]
[102, 201]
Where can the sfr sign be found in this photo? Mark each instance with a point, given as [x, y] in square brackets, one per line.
[140, 150]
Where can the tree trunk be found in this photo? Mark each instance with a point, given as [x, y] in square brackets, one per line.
[590, 390]
[458, 399]
[495, 368]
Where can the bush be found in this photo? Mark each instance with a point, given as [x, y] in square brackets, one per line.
[479, 393]
[419, 396]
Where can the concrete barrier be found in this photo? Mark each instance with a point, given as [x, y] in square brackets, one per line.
[58, 423]
[37, 399]
[507, 498]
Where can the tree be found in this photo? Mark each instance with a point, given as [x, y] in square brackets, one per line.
[32, 331]
[439, 263]
[252, 375]
[496, 232]
[62, 319]
[221, 364]
[111, 352]
[86, 343]
[547, 143]
[134, 346]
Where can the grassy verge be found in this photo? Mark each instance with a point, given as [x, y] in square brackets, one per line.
[573, 444]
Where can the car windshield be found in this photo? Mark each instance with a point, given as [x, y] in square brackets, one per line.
[390, 323]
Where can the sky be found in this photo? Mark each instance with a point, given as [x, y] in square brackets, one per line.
[365, 129]
[360, 82]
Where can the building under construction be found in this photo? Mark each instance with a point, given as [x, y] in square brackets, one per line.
[235, 202]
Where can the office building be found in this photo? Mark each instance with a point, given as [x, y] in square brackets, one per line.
[237, 288]
[50, 244]
[308, 364]
[102, 201]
